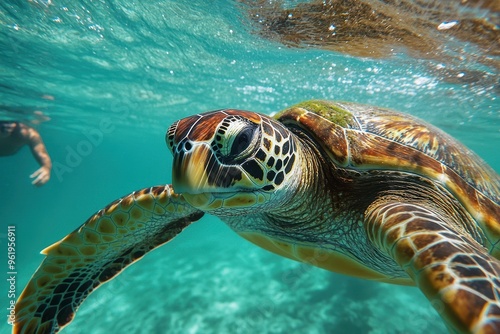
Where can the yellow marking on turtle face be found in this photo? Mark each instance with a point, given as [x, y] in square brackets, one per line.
[322, 258]
[246, 182]
[216, 204]
[240, 200]
[106, 226]
[198, 200]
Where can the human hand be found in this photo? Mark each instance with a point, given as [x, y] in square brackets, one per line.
[41, 176]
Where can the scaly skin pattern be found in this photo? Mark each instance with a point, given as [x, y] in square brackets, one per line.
[456, 274]
[96, 252]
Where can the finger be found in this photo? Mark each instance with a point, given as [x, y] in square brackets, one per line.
[36, 173]
[38, 181]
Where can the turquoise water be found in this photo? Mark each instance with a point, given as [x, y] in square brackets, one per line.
[141, 67]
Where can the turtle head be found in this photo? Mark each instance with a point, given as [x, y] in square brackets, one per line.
[229, 159]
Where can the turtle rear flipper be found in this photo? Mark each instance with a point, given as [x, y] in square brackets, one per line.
[96, 252]
[456, 274]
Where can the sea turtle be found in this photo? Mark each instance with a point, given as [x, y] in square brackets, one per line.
[355, 189]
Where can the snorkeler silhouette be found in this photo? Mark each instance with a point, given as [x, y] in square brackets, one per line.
[14, 135]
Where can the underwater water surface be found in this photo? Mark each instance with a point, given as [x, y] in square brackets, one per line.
[113, 75]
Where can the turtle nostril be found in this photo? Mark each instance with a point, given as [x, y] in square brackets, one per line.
[187, 146]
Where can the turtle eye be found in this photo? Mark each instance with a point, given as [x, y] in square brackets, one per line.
[235, 139]
[242, 141]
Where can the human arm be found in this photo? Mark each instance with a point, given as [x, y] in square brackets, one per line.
[41, 175]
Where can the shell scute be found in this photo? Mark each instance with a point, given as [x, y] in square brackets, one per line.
[363, 137]
[410, 131]
[330, 135]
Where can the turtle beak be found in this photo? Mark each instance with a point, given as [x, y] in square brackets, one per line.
[189, 174]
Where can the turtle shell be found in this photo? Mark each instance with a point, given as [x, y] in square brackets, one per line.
[362, 137]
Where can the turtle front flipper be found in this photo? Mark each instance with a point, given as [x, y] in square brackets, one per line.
[456, 274]
[96, 252]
